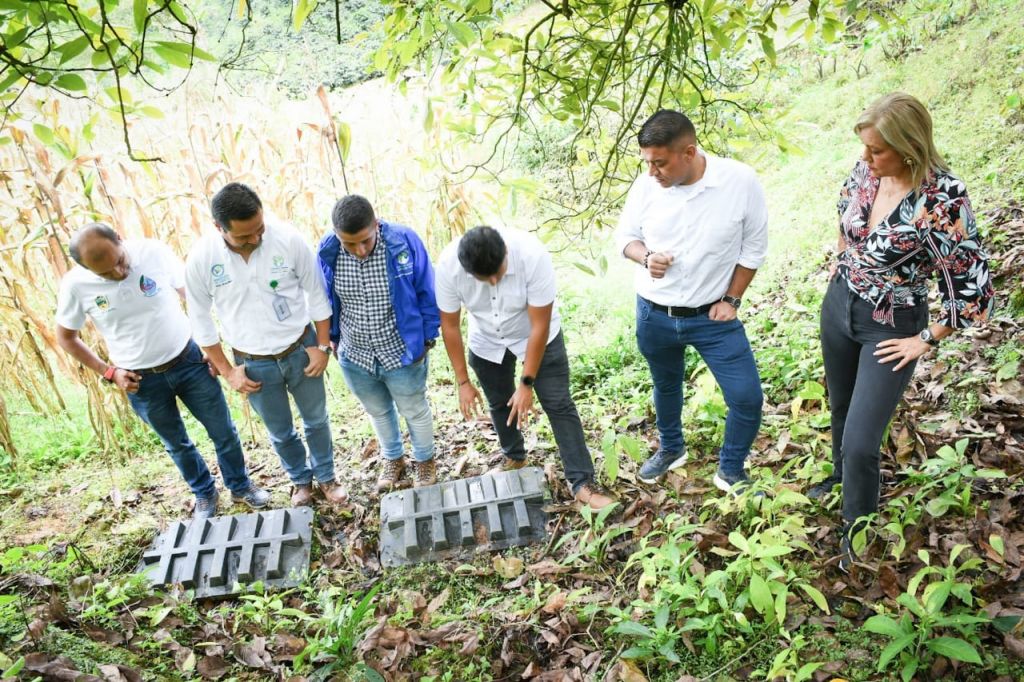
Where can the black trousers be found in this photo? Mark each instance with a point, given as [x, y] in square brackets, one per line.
[551, 386]
[863, 393]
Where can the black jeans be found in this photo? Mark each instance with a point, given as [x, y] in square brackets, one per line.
[862, 392]
[551, 386]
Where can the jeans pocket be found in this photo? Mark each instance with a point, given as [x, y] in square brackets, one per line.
[643, 309]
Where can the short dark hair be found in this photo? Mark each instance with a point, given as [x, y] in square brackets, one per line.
[352, 214]
[101, 230]
[235, 201]
[664, 128]
[482, 251]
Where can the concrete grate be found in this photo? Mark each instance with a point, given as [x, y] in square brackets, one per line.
[489, 512]
[217, 556]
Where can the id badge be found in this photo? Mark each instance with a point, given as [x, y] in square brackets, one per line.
[281, 308]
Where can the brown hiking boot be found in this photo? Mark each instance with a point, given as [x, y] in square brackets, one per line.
[508, 464]
[302, 495]
[425, 473]
[391, 475]
[333, 492]
[594, 494]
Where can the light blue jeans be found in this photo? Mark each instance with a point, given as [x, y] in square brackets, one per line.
[279, 378]
[385, 394]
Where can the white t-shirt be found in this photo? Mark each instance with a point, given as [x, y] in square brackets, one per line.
[140, 317]
[263, 304]
[711, 226]
[498, 319]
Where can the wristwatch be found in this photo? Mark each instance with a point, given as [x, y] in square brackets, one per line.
[108, 374]
[527, 380]
[733, 301]
[927, 336]
[325, 348]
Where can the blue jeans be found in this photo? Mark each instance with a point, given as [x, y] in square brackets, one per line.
[279, 378]
[724, 347]
[156, 404]
[387, 393]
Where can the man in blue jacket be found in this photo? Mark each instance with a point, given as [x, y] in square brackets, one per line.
[384, 320]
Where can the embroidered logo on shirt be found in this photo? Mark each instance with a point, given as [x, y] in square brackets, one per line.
[148, 287]
[102, 302]
[220, 277]
[278, 266]
[404, 263]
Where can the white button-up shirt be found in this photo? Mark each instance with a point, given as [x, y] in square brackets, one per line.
[139, 317]
[498, 319]
[281, 274]
[710, 227]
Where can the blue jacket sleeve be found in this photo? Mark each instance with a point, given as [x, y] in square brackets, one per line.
[425, 296]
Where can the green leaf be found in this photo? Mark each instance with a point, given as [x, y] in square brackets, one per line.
[955, 648]
[463, 33]
[631, 629]
[611, 461]
[70, 81]
[760, 595]
[139, 13]
[15, 668]
[12, 78]
[585, 268]
[896, 646]
[44, 133]
[768, 45]
[1008, 370]
[884, 625]
[816, 596]
[173, 57]
[300, 11]
[636, 652]
[997, 543]
[72, 48]
[344, 138]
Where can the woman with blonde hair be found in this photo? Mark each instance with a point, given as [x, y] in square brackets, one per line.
[903, 219]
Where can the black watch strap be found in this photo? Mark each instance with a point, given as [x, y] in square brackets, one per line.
[733, 301]
[527, 380]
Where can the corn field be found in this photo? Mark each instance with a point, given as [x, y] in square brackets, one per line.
[299, 157]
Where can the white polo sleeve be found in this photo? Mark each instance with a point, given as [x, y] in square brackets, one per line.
[310, 278]
[541, 287]
[70, 313]
[755, 225]
[199, 295]
[446, 289]
[629, 228]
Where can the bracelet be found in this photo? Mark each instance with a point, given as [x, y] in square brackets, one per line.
[646, 257]
[108, 374]
[463, 382]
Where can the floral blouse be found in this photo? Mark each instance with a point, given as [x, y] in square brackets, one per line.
[930, 232]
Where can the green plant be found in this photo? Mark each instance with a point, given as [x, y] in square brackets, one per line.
[106, 600]
[266, 610]
[594, 541]
[337, 633]
[914, 637]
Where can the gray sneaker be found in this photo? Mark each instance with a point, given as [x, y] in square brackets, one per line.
[734, 484]
[659, 464]
[256, 498]
[206, 507]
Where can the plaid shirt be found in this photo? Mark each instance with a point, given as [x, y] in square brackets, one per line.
[369, 330]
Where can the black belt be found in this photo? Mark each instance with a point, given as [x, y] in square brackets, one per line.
[678, 310]
[275, 356]
[160, 369]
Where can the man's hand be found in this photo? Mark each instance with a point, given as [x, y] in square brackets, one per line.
[722, 312]
[317, 362]
[470, 402]
[127, 380]
[658, 262]
[906, 350]
[521, 403]
[211, 368]
[238, 380]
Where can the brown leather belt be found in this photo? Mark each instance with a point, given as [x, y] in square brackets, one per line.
[160, 369]
[276, 356]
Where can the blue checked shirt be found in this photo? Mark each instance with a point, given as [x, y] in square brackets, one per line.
[369, 330]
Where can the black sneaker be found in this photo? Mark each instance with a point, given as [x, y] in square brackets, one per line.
[659, 464]
[819, 491]
[846, 555]
[206, 507]
[256, 498]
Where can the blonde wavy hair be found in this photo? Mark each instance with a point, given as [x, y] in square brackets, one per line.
[906, 126]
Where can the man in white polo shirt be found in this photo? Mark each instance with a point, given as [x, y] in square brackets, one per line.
[696, 225]
[506, 282]
[263, 279]
[132, 292]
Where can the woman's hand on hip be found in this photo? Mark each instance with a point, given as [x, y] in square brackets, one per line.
[905, 350]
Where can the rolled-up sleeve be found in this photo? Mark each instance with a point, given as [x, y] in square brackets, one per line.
[755, 226]
[311, 279]
[959, 261]
[200, 299]
[629, 228]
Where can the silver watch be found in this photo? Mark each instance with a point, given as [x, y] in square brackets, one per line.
[325, 348]
[929, 338]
